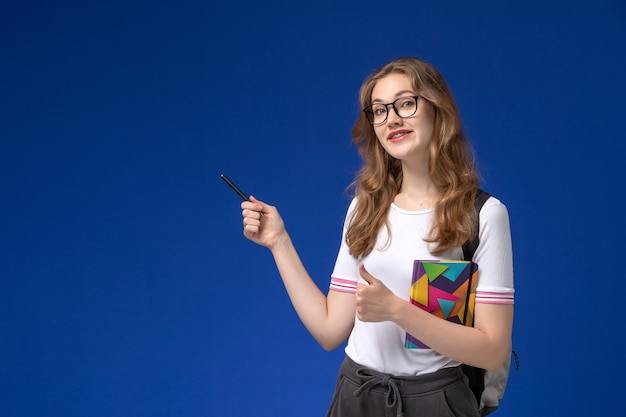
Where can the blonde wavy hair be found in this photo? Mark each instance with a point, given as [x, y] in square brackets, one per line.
[451, 166]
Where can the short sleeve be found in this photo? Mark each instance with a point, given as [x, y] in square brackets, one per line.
[345, 273]
[494, 255]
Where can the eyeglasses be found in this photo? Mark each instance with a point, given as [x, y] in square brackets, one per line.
[404, 107]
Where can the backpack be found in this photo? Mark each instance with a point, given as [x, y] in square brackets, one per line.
[487, 386]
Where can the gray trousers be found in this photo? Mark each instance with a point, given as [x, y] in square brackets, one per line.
[363, 392]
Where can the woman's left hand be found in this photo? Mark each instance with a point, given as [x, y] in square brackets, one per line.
[374, 301]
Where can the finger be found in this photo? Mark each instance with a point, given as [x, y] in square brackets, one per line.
[250, 221]
[360, 292]
[262, 207]
[251, 214]
[251, 227]
[369, 278]
[253, 206]
[250, 231]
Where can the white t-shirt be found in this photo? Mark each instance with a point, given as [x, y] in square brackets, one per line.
[380, 346]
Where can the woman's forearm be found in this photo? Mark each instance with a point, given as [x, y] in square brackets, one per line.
[484, 348]
[328, 319]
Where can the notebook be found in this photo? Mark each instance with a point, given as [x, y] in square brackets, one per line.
[441, 288]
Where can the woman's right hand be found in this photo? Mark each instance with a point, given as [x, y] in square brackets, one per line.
[262, 224]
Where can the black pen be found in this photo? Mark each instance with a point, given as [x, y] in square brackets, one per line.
[234, 187]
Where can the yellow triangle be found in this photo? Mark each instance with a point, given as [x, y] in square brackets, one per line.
[419, 290]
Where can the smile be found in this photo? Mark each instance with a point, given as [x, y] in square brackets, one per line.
[397, 135]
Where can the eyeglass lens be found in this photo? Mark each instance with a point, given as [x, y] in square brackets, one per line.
[403, 106]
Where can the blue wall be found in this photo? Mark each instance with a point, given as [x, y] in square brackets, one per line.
[126, 286]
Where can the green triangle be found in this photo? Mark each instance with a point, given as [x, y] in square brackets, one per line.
[433, 270]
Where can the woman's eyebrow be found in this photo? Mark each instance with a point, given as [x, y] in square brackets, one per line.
[398, 94]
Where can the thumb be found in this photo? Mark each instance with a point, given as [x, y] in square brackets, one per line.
[267, 210]
[260, 206]
[369, 278]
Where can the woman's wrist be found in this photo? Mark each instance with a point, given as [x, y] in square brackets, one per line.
[399, 310]
[281, 243]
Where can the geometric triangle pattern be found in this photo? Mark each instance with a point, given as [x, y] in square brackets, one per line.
[441, 288]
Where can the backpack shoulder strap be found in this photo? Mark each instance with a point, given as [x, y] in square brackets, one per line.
[469, 248]
[476, 376]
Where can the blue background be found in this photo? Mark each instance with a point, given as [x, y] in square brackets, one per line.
[127, 288]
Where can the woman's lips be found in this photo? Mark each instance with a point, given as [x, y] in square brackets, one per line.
[398, 135]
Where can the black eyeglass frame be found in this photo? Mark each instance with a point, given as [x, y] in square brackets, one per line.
[369, 113]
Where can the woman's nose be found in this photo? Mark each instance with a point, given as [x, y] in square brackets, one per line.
[392, 116]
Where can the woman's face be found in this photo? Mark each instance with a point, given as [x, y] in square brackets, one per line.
[404, 138]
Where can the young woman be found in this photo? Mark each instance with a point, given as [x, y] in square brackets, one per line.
[414, 200]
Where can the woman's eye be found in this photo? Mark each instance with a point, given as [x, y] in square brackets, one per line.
[408, 102]
[379, 110]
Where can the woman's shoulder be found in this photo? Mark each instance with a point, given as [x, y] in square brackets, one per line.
[352, 204]
[494, 210]
[494, 201]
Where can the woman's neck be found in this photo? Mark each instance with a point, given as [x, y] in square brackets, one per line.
[417, 191]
